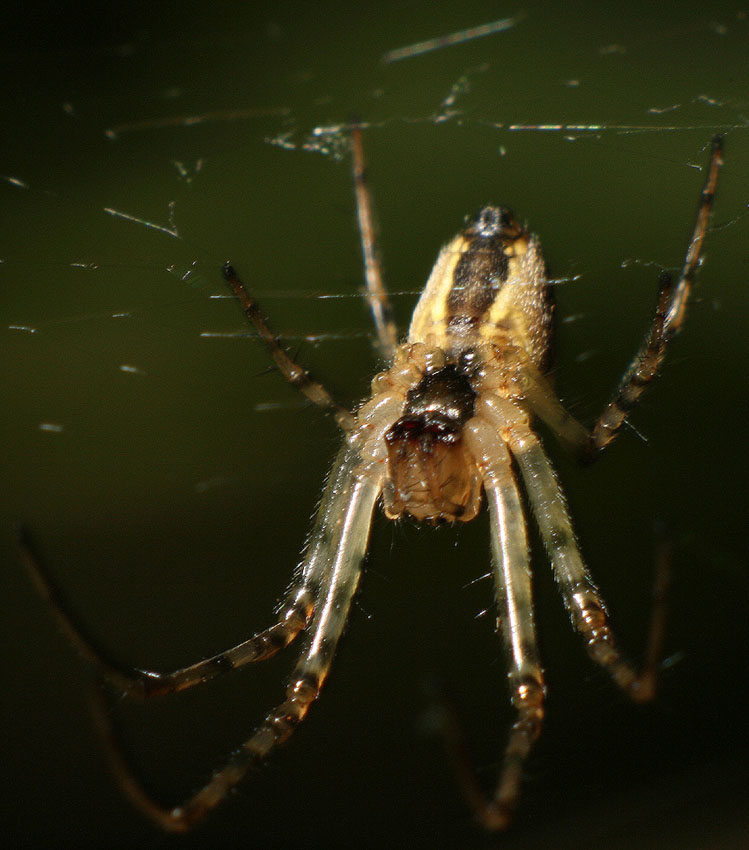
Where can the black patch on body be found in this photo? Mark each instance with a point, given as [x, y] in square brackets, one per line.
[481, 271]
[446, 394]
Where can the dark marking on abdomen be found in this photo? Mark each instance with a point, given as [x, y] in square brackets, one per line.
[477, 279]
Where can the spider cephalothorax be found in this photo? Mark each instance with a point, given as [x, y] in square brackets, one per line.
[431, 474]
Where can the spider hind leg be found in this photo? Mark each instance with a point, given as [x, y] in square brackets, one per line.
[666, 323]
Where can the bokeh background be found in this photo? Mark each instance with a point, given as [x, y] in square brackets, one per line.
[169, 477]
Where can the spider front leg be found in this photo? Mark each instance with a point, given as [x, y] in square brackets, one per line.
[327, 583]
[294, 612]
[582, 598]
[512, 582]
[345, 522]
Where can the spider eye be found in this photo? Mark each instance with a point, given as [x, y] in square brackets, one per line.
[424, 429]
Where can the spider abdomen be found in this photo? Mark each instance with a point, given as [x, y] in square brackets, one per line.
[488, 285]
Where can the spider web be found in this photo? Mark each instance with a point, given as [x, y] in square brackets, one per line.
[145, 437]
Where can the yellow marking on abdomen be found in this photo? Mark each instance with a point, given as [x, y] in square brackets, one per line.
[430, 316]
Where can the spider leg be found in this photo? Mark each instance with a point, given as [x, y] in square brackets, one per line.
[379, 303]
[294, 612]
[290, 369]
[512, 580]
[141, 684]
[346, 534]
[538, 394]
[667, 321]
[582, 599]
[669, 315]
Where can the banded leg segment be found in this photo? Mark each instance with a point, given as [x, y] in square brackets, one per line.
[293, 613]
[379, 303]
[141, 684]
[512, 580]
[290, 369]
[582, 599]
[347, 536]
[667, 321]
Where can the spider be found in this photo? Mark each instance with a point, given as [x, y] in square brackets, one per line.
[450, 422]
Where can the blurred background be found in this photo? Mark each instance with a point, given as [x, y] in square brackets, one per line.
[169, 477]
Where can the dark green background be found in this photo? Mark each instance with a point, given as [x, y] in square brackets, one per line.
[173, 512]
